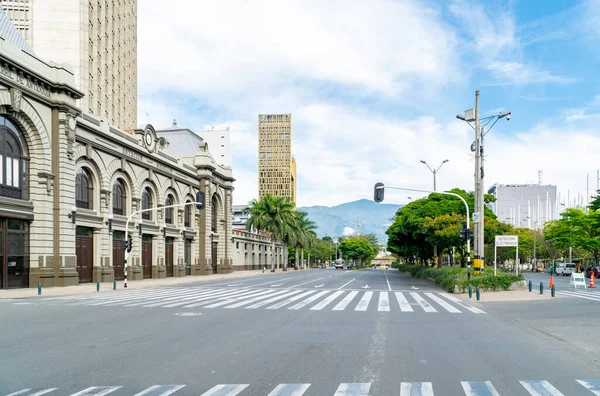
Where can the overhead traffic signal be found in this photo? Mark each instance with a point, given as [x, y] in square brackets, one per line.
[378, 193]
[129, 243]
[200, 200]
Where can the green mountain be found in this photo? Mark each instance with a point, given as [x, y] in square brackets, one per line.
[374, 218]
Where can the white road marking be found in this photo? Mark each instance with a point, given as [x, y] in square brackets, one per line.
[277, 284]
[309, 300]
[365, 287]
[289, 390]
[344, 303]
[479, 388]
[384, 302]
[540, 388]
[127, 302]
[424, 304]
[416, 389]
[97, 391]
[226, 301]
[185, 297]
[202, 297]
[443, 303]
[584, 295]
[273, 299]
[225, 390]
[364, 301]
[462, 304]
[321, 285]
[267, 294]
[356, 389]
[291, 300]
[34, 392]
[326, 301]
[215, 297]
[404, 305]
[388, 282]
[347, 283]
[160, 390]
[591, 385]
[310, 281]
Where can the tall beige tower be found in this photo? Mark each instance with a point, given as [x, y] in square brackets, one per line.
[276, 166]
[97, 38]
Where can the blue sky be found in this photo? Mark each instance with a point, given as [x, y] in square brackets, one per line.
[374, 87]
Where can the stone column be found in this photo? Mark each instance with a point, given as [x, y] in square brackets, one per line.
[134, 265]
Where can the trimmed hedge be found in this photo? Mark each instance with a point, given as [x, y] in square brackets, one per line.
[449, 276]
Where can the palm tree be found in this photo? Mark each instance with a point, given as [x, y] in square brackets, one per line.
[274, 215]
[305, 232]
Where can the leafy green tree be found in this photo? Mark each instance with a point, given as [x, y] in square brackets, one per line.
[357, 248]
[304, 233]
[595, 202]
[274, 215]
[577, 229]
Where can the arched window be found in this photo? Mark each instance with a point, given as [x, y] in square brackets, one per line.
[214, 210]
[187, 214]
[147, 203]
[119, 197]
[14, 164]
[84, 189]
[169, 211]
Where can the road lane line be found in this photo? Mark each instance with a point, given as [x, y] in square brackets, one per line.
[384, 302]
[202, 297]
[327, 301]
[424, 304]
[540, 388]
[273, 299]
[289, 390]
[225, 390]
[592, 385]
[310, 299]
[35, 392]
[388, 282]
[462, 304]
[160, 390]
[145, 300]
[578, 295]
[479, 388]
[227, 293]
[169, 300]
[291, 300]
[271, 293]
[443, 303]
[356, 389]
[97, 391]
[404, 305]
[226, 301]
[347, 283]
[363, 304]
[344, 303]
[416, 389]
[310, 281]
[117, 297]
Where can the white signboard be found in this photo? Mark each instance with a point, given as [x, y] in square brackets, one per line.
[507, 240]
[476, 217]
[577, 279]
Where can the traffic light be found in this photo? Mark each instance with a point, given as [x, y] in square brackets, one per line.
[200, 198]
[378, 193]
[129, 243]
[465, 233]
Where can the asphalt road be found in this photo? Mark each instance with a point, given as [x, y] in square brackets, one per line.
[89, 341]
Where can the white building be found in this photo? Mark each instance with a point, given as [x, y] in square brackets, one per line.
[218, 139]
[97, 39]
[524, 205]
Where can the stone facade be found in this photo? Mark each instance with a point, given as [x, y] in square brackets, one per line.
[254, 252]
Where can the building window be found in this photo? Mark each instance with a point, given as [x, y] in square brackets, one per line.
[119, 197]
[214, 207]
[147, 203]
[187, 214]
[84, 189]
[13, 162]
[169, 211]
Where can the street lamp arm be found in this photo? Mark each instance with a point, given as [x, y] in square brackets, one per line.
[443, 162]
[427, 165]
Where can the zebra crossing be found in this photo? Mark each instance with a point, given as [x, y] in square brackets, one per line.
[470, 388]
[274, 299]
[588, 294]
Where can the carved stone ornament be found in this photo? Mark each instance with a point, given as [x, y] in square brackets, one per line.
[16, 96]
[70, 131]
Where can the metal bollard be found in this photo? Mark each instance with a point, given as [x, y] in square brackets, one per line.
[97, 286]
[39, 289]
[114, 284]
[541, 287]
[530, 286]
[477, 293]
[552, 291]
[470, 291]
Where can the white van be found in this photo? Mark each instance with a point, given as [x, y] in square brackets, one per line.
[565, 269]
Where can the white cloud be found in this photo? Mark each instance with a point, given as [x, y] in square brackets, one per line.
[348, 231]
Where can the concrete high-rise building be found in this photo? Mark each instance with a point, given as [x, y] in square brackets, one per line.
[276, 165]
[524, 205]
[219, 142]
[98, 39]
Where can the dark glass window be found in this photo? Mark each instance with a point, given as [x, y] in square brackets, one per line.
[147, 203]
[119, 197]
[14, 164]
[84, 189]
[169, 211]
[214, 214]
[187, 215]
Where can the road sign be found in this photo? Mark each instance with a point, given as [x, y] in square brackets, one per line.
[476, 217]
[577, 279]
[507, 240]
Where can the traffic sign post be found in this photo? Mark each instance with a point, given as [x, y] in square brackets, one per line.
[507, 241]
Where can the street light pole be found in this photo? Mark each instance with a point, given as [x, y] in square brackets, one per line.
[435, 253]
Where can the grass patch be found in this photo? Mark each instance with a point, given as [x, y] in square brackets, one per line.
[449, 276]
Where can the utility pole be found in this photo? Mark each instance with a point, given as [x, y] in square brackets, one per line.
[477, 251]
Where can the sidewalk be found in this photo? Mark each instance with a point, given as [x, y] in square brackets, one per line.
[107, 287]
[508, 296]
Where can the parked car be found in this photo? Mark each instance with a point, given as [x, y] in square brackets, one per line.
[339, 265]
[596, 270]
[566, 269]
[539, 268]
